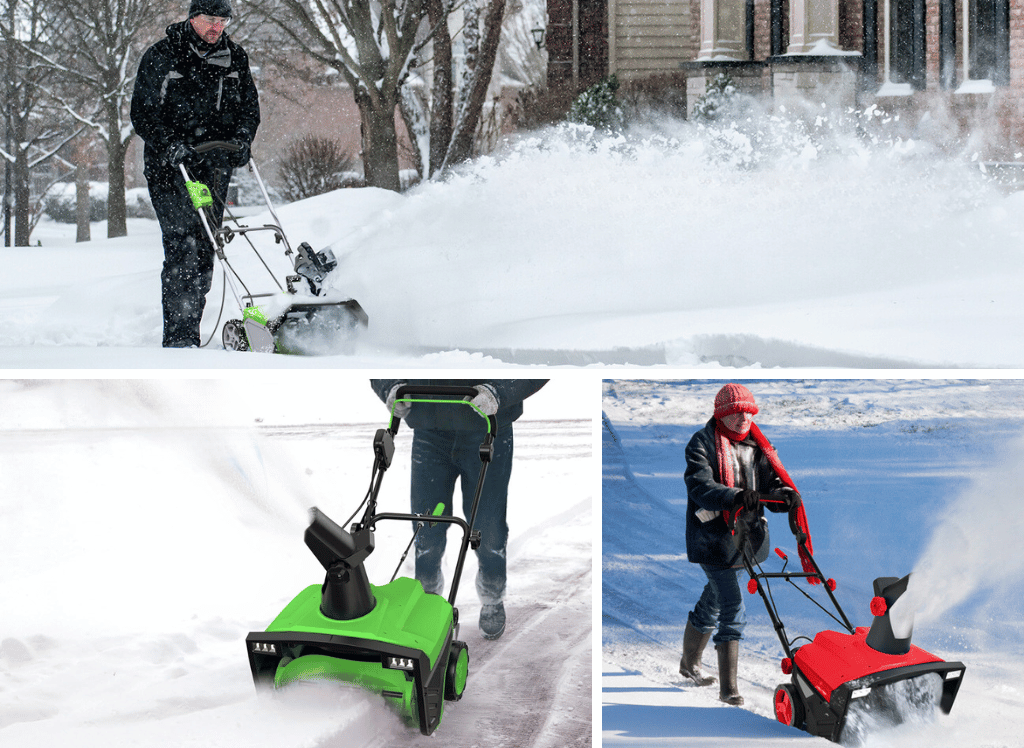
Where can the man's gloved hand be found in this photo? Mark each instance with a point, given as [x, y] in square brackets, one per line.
[399, 410]
[239, 158]
[178, 153]
[783, 500]
[748, 499]
[486, 399]
[793, 499]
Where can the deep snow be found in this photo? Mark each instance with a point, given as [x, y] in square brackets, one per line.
[146, 526]
[766, 244]
[897, 476]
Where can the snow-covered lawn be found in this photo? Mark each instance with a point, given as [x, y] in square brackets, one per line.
[770, 244]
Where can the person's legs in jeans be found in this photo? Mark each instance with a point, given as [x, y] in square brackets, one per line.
[720, 605]
[433, 482]
[492, 510]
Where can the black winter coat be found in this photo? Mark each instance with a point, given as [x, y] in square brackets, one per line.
[711, 542]
[511, 393]
[187, 91]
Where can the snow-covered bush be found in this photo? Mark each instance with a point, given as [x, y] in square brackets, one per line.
[653, 95]
[719, 97]
[138, 204]
[313, 165]
[61, 202]
[598, 106]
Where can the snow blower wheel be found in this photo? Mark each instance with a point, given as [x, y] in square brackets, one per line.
[788, 709]
[394, 640]
[458, 670]
[233, 336]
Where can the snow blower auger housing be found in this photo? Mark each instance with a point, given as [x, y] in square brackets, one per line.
[301, 316]
[845, 684]
[394, 639]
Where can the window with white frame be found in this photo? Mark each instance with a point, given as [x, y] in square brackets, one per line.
[987, 40]
[978, 50]
[905, 42]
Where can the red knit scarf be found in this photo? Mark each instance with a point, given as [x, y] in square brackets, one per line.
[724, 440]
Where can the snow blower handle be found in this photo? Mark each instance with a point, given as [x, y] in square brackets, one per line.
[212, 145]
[432, 393]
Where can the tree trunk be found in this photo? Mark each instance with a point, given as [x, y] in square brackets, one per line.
[82, 206]
[379, 141]
[22, 199]
[441, 122]
[413, 105]
[117, 213]
[461, 147]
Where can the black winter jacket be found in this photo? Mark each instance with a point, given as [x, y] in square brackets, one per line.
[187, 91]
[711, 542]
[511, 393]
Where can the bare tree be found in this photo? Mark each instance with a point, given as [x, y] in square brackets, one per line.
[452, 125]
[32, 134]
[369, 44]
[95, 50]
[473, 93]
[374, 45]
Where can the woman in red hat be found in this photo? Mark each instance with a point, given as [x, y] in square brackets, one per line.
[732, 473]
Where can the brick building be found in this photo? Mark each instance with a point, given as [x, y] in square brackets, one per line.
[955, 65]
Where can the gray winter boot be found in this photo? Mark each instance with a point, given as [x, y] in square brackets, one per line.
[694, 643]
[728, 660]
[492, 621]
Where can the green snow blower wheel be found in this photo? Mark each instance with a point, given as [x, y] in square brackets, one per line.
[458, 671]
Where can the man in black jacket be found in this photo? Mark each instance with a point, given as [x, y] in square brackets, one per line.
[193, 86]
[445, 449]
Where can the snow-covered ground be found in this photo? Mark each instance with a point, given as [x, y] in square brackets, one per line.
[897, 476]
[770, 244]
[146, 526]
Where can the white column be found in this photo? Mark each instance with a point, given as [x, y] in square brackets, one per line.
[813, 26]
[723, 30]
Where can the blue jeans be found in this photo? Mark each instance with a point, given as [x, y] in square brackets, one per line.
[720, 605]
[439, 458]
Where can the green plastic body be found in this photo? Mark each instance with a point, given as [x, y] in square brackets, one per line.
[256, 314]
[200, 195]
[398, 650]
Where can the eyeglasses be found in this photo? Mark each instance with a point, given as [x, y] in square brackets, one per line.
[214, 20]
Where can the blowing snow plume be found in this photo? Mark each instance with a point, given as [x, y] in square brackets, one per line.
[974, 548]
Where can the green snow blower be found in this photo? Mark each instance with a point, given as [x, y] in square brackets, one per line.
[394, 640]
[303, 316]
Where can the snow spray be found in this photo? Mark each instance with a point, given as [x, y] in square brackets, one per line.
[975, 546]
[203, 423]
[891, 711]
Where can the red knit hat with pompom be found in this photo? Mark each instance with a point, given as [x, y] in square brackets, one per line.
[734, 398]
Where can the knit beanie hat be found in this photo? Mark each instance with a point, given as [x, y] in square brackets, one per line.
[734, 398]
[216, 8]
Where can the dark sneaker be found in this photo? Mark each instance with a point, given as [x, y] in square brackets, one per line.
[492, 621]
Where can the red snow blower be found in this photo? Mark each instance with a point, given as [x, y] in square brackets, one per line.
[847, 684]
